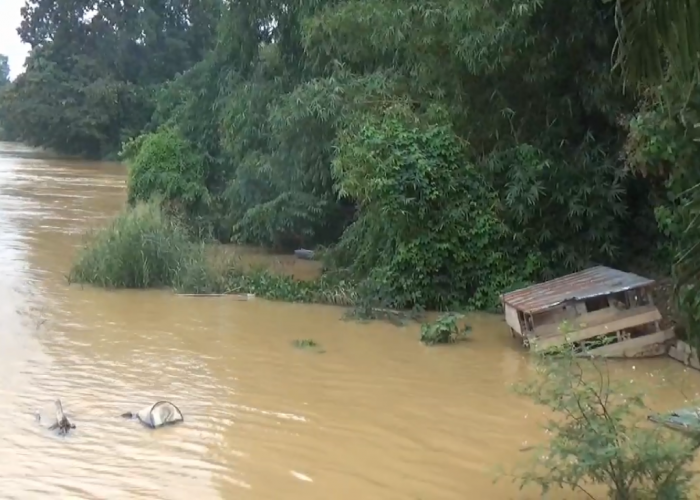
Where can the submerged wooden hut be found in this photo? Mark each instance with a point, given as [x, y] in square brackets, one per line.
[597, 303]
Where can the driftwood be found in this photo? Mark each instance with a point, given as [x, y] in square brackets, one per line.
[61, 424]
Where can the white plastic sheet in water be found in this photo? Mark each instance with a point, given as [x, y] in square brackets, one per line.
[160, 414]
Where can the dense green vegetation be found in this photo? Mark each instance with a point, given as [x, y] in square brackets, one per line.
[141, 248]
[4, 82]
[145, 247]
[444, 330]
[4, 71]
[441, 151]
[91, 77]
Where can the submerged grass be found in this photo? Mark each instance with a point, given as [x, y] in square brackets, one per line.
[229, 276]
[145, 248]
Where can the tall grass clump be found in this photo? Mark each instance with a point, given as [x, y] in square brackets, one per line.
[208, 274]
[141, 248]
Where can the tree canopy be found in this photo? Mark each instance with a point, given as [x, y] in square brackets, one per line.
[444, 151]
[94, 67]
[4, 83]
[4, 70]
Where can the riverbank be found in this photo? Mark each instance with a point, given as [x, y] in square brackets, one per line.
[145, 247]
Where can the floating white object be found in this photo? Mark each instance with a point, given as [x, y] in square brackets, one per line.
[304, 254]
[301, 477]
[158, 415]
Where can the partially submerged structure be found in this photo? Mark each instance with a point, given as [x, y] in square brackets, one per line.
[600, 304]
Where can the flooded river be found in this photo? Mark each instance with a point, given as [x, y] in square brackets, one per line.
[376, 416]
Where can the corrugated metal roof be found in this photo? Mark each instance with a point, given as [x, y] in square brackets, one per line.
[586, 284]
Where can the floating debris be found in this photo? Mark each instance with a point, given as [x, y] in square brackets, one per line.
[300, 476]
[304, 254]
[61, 424]
[157, 415]
[308, 344]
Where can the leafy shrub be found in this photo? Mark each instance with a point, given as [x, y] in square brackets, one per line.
[207, 275]
[445, 330]
[427, 232]
[140, 248]
[144, 247]
[663, 145]
[305, 343]
[164, 164]
[285, 223]
[229, 277]
[598, 438]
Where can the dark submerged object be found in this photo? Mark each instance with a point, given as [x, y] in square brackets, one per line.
[159, 414]
[304, 254]
[62, 425]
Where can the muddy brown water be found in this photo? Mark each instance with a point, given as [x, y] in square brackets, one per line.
[377, 415]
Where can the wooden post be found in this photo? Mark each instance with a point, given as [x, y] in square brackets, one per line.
[651, 302]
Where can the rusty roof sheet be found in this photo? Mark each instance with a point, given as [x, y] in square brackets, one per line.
[592, 282]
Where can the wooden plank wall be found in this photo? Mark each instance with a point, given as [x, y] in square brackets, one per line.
[590, 325]
[653, 344]
[512, 319]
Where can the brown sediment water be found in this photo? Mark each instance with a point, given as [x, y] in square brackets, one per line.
[376, 415]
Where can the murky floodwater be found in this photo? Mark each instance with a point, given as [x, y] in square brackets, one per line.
[376, 416]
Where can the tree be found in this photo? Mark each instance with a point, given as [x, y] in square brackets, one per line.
[597, 438]
[4, 70]
[4, 84]
[284, 113]
[659, 50]
[444, 150]
[90, 79]
[658, 39]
